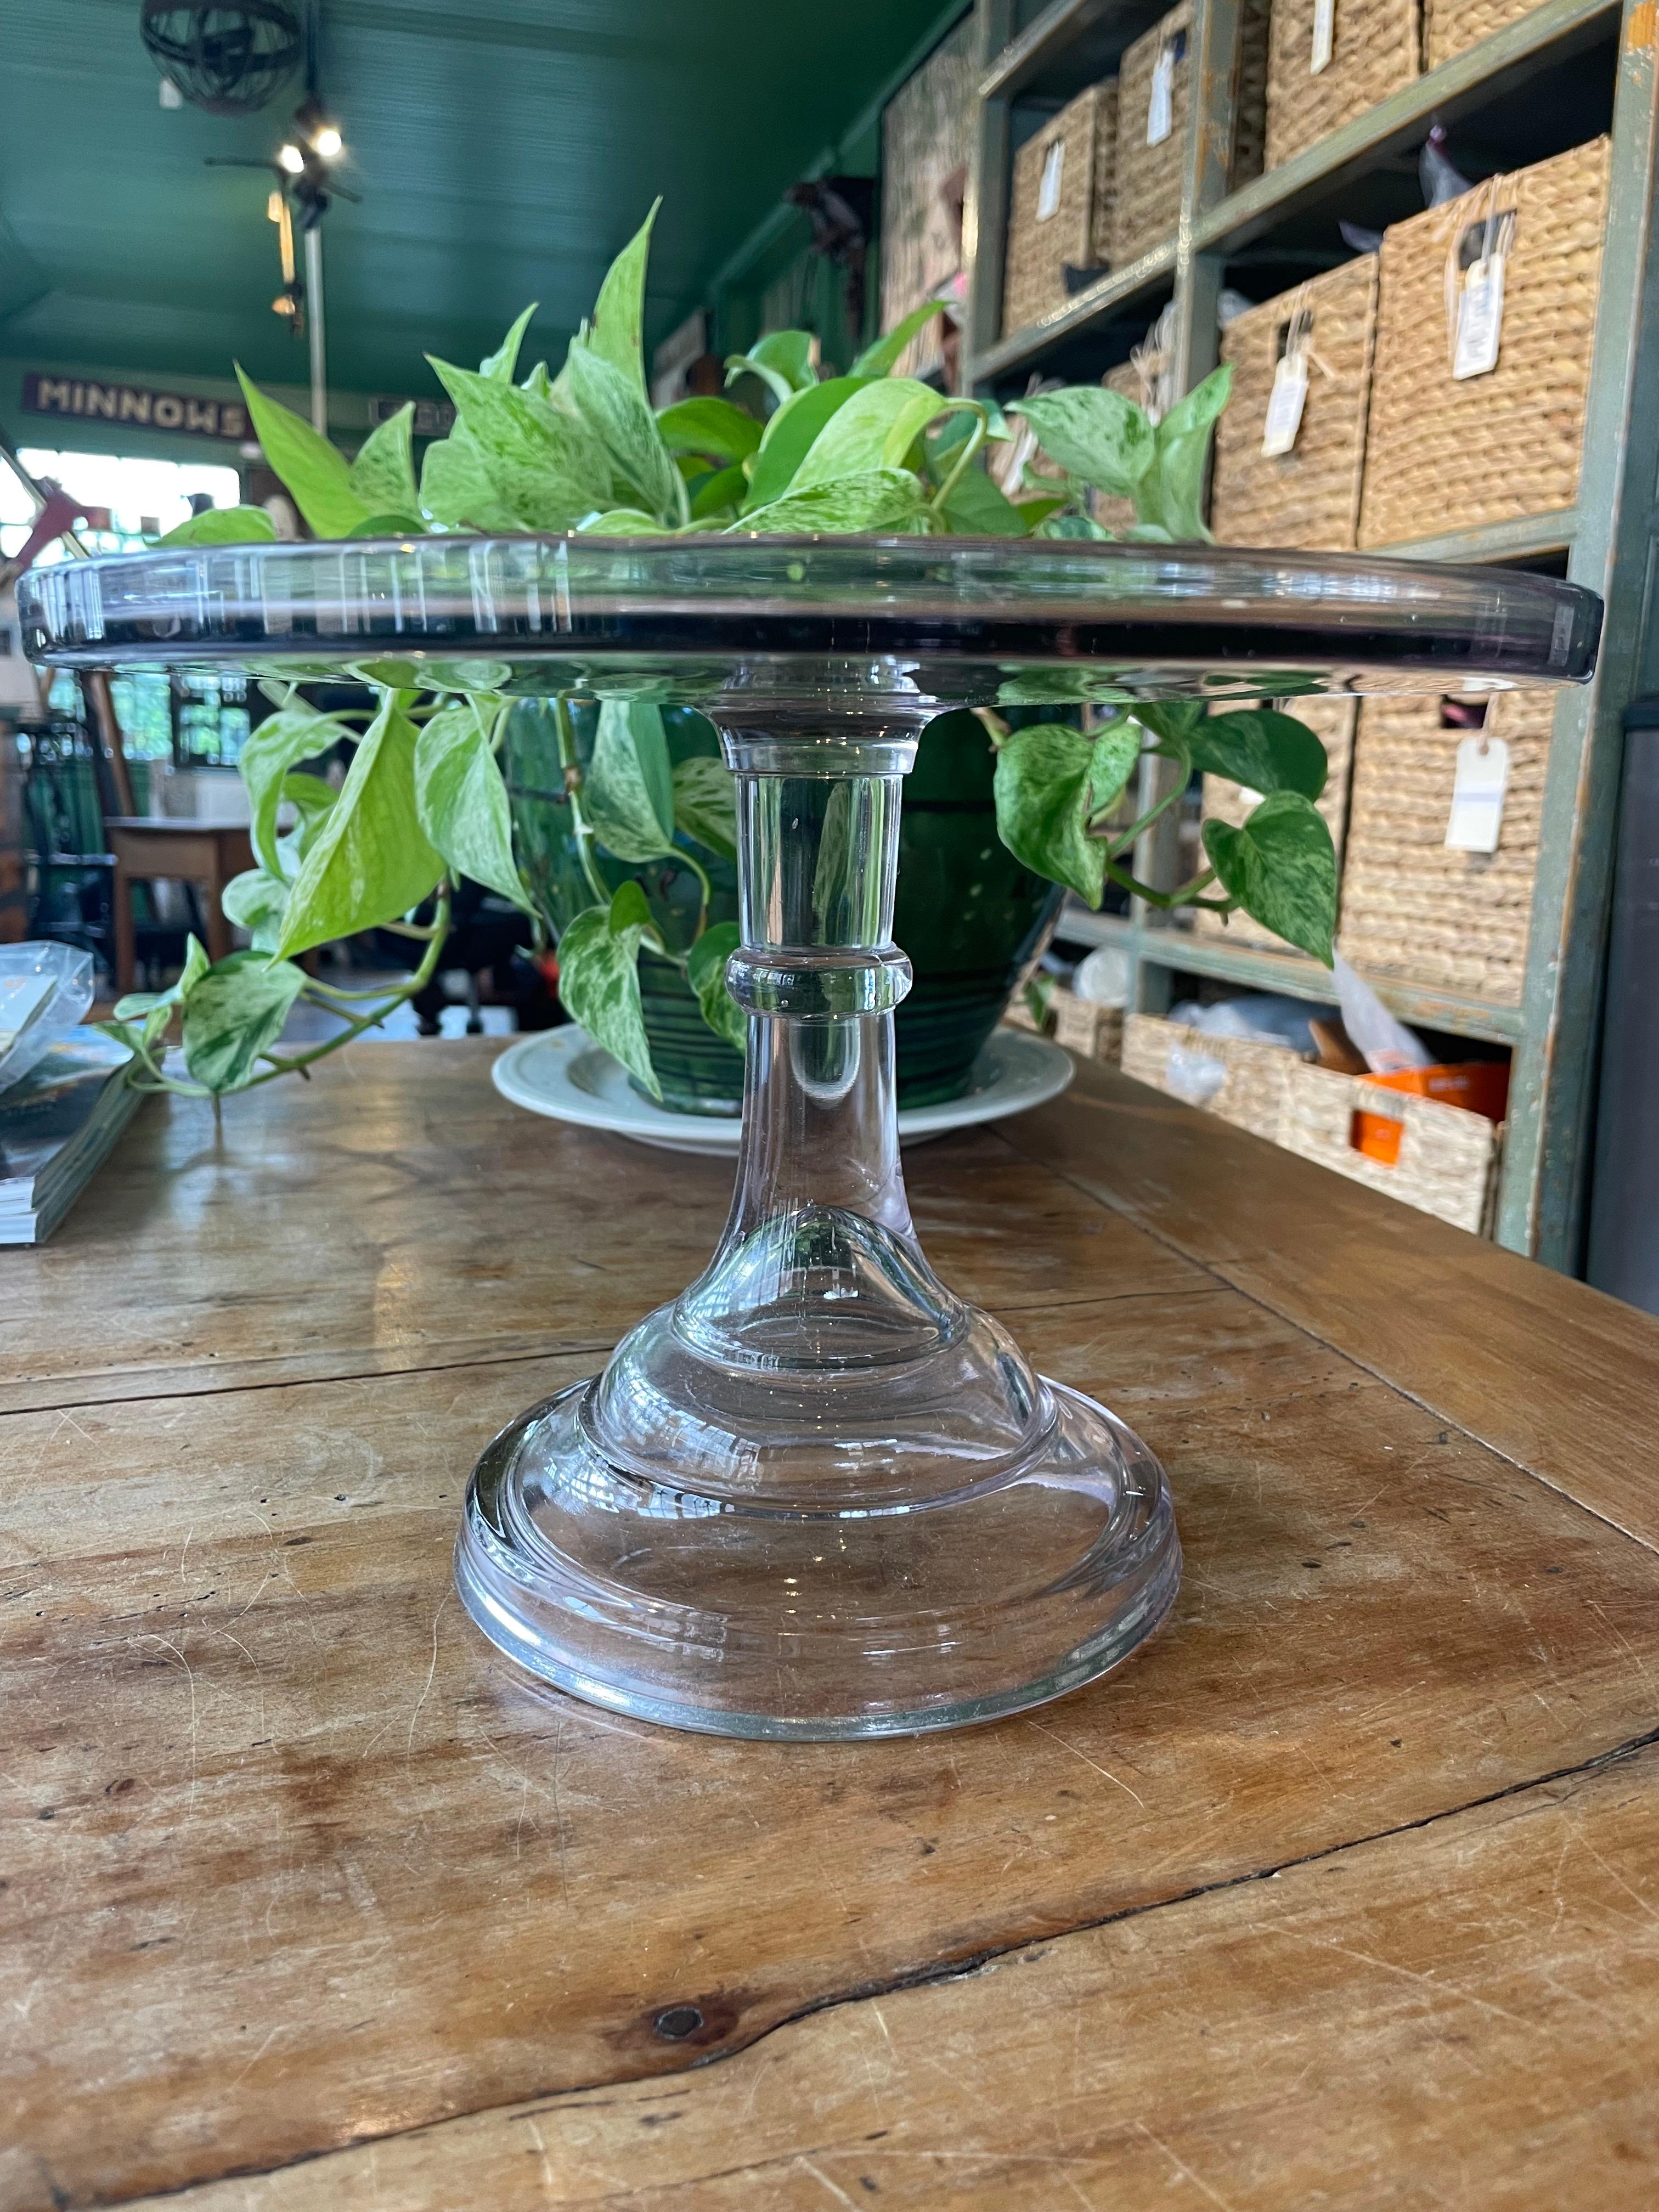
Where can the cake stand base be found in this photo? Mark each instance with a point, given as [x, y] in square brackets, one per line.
[746, 1620]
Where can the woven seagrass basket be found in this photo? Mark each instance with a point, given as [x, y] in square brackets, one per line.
[1443, 453]
[1096, 1032]
[926, 132]
[1075, 148]
[1243, 1081]
[1448, 1156]
[1376, 49]
[1309, 497]
[1148, 198]
[1452, 26]
[1411, 907]
[1146, 204]
[1250, 94]
[1332, 721]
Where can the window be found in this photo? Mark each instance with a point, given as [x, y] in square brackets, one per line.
[145, 498]
[190, 719]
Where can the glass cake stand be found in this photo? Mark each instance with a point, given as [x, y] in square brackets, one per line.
[817, 1494]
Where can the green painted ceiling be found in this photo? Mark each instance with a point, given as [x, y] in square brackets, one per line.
[504, 150]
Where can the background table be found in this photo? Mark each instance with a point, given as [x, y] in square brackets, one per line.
[1345, 1892]
[146, 846]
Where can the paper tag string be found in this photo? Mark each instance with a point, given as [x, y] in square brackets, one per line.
[1474, 296]
[1289, 396]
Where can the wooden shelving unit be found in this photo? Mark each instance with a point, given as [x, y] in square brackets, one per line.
[1521, 79]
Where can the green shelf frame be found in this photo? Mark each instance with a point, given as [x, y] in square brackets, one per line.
[1178, 951]
[1606, 538]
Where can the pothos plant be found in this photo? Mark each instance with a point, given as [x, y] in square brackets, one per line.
[424, 802]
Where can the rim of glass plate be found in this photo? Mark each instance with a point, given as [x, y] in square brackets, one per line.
[954, 618]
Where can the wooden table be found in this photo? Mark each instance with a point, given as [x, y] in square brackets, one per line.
[1345, 1893]
[145, 847]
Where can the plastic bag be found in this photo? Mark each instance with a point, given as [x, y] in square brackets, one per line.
[1386, 1046]
[44, 991]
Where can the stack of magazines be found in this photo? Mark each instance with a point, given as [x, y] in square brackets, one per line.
[57, 1125]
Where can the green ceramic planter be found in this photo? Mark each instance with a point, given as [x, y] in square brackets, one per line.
[967, 913]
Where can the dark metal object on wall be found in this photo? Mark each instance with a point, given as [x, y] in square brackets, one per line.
[842, 212]
[229, 59]
[1624, 1231]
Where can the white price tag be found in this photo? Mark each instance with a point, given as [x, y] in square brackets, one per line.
[1053, 165]
[1288, 398]
[1478, 788]
[1324, 36]
[1479, 319]
[1160, 108]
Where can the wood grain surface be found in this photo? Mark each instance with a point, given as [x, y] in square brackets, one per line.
[1553, 1375]
[358, 1224]
[1462, 2015]
[1345, 1892]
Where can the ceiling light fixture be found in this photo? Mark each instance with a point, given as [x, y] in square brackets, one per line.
[316, 130]
[306, 186]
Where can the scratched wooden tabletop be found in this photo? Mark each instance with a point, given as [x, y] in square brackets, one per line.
[1345, 1893]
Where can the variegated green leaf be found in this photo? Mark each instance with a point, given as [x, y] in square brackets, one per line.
[600, 979]
[875, 429]
[314, 471]
[503, 363]
[383, 475]
[881, 499]
[456, 489]
[223, 525]
[545, 467]
[877, 360]
[371, 860]
[706, 804]
[256, 902]
[718, 427]
[234, 1015]
[1281, 868]
[628, 788]
[136, 1005]
[790, 434]
[782, 360]
[611, 403]
[1100, 437]
[1050, 782]
[618, 331]
[297, 732]
[705, 971]
[462, 800]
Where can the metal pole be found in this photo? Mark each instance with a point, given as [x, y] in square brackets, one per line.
[314, 325]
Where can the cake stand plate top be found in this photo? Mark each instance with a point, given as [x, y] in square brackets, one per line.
[961, 621]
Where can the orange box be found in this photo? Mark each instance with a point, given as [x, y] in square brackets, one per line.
[1482, 1086]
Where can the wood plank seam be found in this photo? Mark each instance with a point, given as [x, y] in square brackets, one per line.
[122, 1393]
[1217, 1268]
[923, 1978]
[121, 1389]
